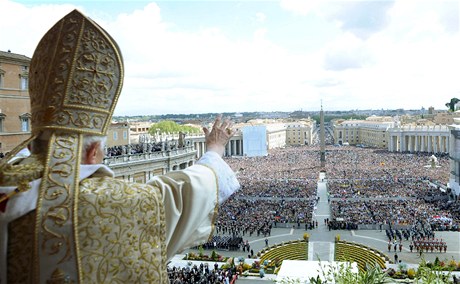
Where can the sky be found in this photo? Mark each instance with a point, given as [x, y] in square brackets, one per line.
[187, 57]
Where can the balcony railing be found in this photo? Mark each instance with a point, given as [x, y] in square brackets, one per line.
[152, 156]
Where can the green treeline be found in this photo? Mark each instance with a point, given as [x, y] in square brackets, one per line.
[328, 118]
[169, 126]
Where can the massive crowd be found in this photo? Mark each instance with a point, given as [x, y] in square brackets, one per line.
[390, 188]
[146, 147]
[202, 274]
[276, 187]
[248, 217]
[399, 211]
[383, 187]
[133, 149]
[365, 163]
[366, 186]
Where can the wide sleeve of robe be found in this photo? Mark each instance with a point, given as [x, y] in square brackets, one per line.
[191, 199]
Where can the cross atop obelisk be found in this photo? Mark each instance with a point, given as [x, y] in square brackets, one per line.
[321, 138]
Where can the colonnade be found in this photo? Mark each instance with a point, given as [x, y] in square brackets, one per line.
[233, 148]
[200, 147]
[419, 139]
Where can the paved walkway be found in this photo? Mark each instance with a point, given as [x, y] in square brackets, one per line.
[321, 245]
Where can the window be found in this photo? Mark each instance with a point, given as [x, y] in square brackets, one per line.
[2, 118]
[25, 122]
[2, 78]
[24, 78]
[125, 135]
[24, 83]
[115, 135]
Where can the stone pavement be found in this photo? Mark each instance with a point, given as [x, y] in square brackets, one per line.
[321, 245]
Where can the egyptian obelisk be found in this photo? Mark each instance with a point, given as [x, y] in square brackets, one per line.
[321, 137]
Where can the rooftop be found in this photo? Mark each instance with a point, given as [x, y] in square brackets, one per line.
[14, 56]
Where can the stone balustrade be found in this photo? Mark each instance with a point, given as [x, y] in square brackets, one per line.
[115, 160]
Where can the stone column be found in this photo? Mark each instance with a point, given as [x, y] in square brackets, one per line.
[228, 149]
[423, 143]
[448, 144]
[402, 146]
[391, 144]
[203, 148]
[441, 144]
[430, 149]
[435, 144]
[410, 145]
[233, 147]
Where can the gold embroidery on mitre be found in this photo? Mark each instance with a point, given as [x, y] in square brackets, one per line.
[76, 75]
[59, 277]
[48, 115]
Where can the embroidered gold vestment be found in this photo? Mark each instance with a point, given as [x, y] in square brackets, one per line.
[126, 231]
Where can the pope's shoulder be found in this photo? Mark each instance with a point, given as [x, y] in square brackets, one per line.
[112, 186]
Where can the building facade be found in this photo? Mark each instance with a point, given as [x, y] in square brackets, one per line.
[299, 132]
[371, 132]
[14, 100]
[139, 131]
[118, 134]
[454, 154]
[445, 118]
[276, 135]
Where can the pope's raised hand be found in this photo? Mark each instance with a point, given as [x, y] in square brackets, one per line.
[220, 134]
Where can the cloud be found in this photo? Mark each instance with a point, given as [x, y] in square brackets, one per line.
[358, 55]
[300, 7]
[260, 17]
[362, 18]
[327, 83]
[449, 15]
[347, 52]
[21, 27]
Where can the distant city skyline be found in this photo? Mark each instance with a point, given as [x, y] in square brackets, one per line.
[187, 57]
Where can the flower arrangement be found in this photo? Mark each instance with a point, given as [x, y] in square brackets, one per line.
[201, 256]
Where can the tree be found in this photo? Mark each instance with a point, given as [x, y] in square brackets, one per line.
[451, 104]
[169, 126]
